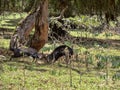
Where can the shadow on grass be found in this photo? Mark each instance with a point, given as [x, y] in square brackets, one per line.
[21, 64]
[9, 25]
[13, 21]
[114, 60]
[72, 68]
[6, 33]
[32, 66]
[5, 30]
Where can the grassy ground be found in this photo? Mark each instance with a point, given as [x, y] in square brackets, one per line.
[82, 74]
[10, 20]
[102, 35]
[22, 74]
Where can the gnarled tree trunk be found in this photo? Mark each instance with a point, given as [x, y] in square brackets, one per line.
[41, 27]
[20, 36]
[39, 19]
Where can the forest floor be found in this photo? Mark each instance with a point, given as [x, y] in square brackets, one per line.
[84, 72]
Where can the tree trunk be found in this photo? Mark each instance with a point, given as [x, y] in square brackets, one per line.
[41, 27]
[110, 14]
[38, 19]
[23, 30]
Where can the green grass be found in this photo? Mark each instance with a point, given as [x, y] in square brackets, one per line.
[23, 74]
[4, 43]
[18, 76]
[102, 35]
[30, 76]
[10, 20]
[86, 20]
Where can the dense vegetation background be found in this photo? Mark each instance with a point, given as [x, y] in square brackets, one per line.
[90, 27]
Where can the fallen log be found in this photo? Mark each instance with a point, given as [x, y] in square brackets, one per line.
[54, 56]
[25, 51]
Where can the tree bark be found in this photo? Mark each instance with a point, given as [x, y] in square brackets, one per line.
[22, 31]
[41, 27]
[39, 19]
